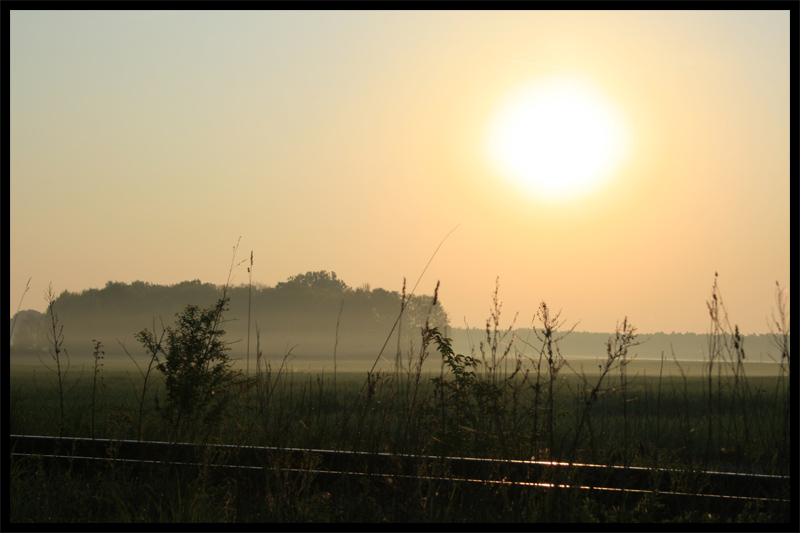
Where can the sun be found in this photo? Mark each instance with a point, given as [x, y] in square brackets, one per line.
[557, 138]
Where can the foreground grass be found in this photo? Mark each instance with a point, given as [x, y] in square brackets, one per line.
[39, 494]
[500, 403]
[652, 423]
[647, 421]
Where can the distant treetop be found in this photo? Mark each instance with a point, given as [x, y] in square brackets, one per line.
[317, 280]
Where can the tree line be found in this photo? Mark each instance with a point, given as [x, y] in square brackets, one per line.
[312, 311]
[309, 313]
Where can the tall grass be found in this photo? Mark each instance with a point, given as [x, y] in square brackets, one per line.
[60, 357]
[515, 399]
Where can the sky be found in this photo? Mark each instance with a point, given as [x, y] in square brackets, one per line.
[144, 145]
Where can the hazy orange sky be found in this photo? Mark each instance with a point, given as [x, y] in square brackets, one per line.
[143, 144]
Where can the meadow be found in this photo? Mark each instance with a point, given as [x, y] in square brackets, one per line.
[726, 421]
[510, 400]
[650, 422]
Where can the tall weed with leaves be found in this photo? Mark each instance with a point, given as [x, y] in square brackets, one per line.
[195, 364]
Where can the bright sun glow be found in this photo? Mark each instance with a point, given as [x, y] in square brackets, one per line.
[557, 138]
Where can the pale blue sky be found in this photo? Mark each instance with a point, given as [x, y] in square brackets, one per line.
[143, 144]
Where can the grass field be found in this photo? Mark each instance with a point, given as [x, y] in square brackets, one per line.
[640, 417]
[720, 414]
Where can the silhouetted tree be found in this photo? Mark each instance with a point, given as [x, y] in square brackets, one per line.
[320, 280]
[30, 331]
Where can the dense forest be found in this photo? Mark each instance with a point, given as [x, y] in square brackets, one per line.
[310, 314]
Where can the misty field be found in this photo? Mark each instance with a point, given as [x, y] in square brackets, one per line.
[508, 399]
[664, 423]
[727, 421]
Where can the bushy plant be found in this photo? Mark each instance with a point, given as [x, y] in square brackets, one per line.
[194, 361]
[465, 401]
